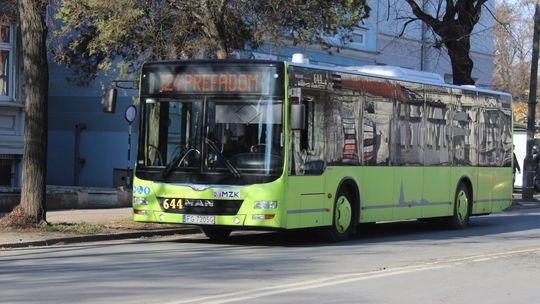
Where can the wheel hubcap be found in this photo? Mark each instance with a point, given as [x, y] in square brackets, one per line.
[462, 205]
[343, 214]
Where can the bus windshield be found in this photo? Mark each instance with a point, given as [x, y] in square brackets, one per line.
[229, 138]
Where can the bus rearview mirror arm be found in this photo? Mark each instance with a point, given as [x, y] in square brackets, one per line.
[108, 100]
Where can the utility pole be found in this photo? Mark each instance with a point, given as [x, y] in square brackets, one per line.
[530, 164]
[423, 47]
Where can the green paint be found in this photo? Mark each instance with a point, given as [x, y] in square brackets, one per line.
[462, 205]
[342, 214]
[386, 193]
[303, 200]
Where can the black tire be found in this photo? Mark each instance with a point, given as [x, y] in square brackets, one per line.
[462, 208]
[343, 218]
[216, 234]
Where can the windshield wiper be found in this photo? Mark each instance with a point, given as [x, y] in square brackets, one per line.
[229, 165]
[174, 162]
[177, 161]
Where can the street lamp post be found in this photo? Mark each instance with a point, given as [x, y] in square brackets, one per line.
[530, 164]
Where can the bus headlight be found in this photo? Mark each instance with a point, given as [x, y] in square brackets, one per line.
[140, 201]
[265, 205]
[260, 217]
[141, 212]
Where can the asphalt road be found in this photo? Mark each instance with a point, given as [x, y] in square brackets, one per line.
[496, 260]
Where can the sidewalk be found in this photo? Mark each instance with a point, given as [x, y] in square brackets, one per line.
[116, 223]
[518, 203]
[95, 224]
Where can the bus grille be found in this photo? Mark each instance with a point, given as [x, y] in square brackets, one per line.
[200, 206]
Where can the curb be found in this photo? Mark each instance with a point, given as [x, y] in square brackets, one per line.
[520, 205]
[100, 237]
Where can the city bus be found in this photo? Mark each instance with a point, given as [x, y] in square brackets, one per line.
[268, 145]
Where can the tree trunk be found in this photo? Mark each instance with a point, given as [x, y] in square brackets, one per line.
[36, 80]
[462, 64]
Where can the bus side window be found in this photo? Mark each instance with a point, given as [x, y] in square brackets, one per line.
[438, 127]
[376, 132]
[309, 153]
[315, 163]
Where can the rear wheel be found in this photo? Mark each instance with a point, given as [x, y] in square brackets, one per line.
[462, 208]
[343, 219]
[216, 234]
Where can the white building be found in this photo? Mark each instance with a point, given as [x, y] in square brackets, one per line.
[378, 40]
[414, 49]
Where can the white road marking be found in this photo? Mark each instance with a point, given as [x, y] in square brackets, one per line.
[348, 278]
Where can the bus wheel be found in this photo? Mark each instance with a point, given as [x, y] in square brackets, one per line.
[342, 222]
[462, 208]
[216, 234]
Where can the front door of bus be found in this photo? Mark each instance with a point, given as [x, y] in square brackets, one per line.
[306, 179]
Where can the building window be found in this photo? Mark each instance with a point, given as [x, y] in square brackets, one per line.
[5, 174]
[10, 165]
[6, 62]
[358, 38]
[358, 41]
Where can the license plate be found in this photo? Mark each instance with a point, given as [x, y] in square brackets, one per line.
[199, 219]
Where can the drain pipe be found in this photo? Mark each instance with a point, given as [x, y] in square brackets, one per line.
[78, 161]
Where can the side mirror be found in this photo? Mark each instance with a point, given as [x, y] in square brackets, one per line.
[108, 101]
[298, 117]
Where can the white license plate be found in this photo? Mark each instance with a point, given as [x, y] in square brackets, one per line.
[199, 219]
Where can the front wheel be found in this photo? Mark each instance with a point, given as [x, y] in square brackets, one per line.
[343, 219]
[216, 234]
[462, 208]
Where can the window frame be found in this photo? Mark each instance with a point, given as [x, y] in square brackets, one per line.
[356, 45]
[10, 48]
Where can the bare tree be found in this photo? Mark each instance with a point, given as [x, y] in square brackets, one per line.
[453, 22]
[512, 37]
[31, 209]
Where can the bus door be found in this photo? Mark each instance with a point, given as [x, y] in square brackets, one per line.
[305, 193]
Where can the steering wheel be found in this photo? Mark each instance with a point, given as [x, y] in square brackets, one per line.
[188, 152]
[257, 147]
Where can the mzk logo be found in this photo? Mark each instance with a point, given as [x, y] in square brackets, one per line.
[227, 194]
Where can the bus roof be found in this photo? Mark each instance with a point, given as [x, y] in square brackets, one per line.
[152, 64]
[397, 73]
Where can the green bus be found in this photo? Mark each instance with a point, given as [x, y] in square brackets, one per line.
[271, 145]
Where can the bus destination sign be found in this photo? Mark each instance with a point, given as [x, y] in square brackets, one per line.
[217, 82]
[209, 78]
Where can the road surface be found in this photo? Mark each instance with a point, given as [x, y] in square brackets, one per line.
[496, 260]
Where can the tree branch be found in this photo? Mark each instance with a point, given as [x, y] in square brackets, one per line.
[418, 12]
[450, 10]
[477, 9]
[497, 19]
[411, 20]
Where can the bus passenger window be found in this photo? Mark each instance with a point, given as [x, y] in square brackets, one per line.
[309, 143]
[376, 133]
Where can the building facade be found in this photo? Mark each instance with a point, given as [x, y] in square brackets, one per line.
[11, 104]
[89, 148]
[388, 38]
[415, 47]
